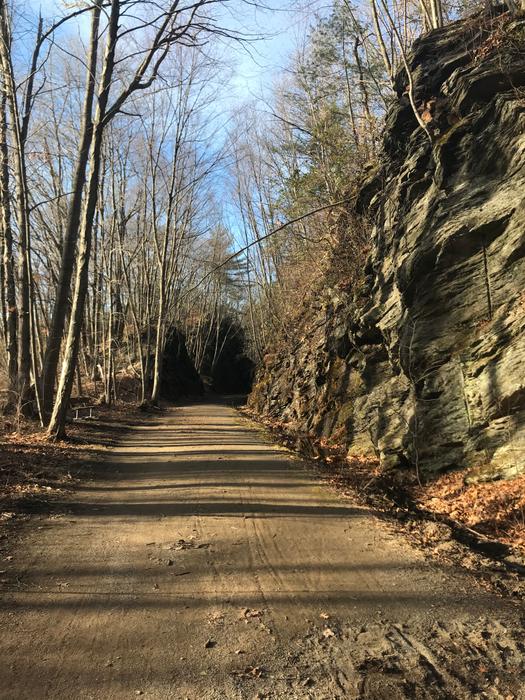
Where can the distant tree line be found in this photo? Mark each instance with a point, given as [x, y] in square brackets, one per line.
[106, 147]
[112, 232]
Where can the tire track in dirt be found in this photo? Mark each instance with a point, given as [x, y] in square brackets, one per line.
[196, 518]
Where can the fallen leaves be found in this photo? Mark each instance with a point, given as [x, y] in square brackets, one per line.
[495, 508]
[33, 471]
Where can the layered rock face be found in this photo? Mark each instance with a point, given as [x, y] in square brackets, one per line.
[426, 368]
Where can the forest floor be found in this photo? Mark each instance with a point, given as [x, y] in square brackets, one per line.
[202, 561]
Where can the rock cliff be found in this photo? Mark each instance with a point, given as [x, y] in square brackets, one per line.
[425, 367]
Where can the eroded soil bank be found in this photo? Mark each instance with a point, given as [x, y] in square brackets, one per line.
[206, 562]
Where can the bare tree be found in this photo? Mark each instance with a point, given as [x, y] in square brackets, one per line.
[7, 277]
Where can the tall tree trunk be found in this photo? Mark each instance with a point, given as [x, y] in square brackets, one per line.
[381, 42]
[365, 98]
[10, 310]
[57, 423]
[58, 319]
[159, 344]
[19, 133]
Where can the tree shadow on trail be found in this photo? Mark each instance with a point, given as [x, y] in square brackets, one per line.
[159, 508]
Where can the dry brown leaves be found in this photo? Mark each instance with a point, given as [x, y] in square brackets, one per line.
[34, 471]
[494, 508]
[496, 29]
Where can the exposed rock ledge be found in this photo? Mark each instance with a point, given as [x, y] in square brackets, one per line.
[427, 368]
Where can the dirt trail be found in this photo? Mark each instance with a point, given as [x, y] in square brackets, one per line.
[206, 562]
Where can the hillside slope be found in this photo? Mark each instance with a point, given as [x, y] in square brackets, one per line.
[424, 366]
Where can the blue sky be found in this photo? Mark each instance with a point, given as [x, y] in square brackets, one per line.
[255, 66]
[258, 65]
